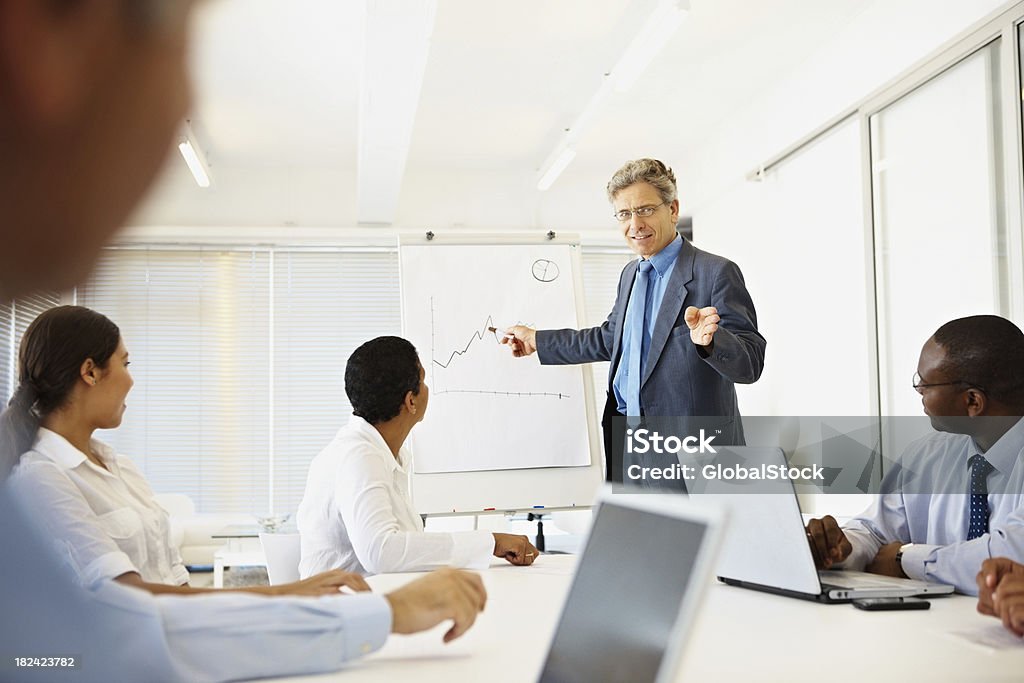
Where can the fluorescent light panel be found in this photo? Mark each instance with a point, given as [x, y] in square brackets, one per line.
[195, 164]
[654, 35]
[645, 46]
[558, 164]
[193, 155]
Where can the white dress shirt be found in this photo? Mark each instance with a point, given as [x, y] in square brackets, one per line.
[105, 521]
[357, 513]
[119, 633]
[925, 509]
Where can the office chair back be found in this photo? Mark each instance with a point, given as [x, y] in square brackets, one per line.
[282, 551]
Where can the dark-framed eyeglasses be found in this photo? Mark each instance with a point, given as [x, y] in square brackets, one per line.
[643, 211]
[920, 385]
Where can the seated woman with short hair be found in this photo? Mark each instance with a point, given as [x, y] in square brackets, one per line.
[73, 374]
[357, 513]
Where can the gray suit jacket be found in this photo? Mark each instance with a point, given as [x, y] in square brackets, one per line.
[681, 378]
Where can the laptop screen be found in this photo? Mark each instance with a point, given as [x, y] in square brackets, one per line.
[626, 597]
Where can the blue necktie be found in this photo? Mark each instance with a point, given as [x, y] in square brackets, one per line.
[978, 524]
[635, 324]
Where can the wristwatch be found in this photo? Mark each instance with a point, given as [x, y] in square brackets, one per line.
[899, 555]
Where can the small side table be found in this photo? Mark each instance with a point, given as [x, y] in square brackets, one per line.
[241, 549]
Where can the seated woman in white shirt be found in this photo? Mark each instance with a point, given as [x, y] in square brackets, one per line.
[357, 513]
[73, 373]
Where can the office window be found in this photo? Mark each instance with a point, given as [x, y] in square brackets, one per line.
[325, 305]
[239, 362]
[939, 234]
[196, 327]
[7, 371]
[15, 318]
[809, 210]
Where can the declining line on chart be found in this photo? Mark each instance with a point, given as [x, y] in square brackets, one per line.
[476, 336]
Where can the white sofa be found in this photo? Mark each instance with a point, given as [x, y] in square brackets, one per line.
[192, 532]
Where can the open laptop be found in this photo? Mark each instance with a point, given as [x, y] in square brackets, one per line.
[767, 547]
[645, 567]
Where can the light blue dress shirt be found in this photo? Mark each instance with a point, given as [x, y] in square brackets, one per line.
[663, 262]
[118, 633]
[935, 519]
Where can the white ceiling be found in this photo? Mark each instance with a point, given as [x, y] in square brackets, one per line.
[277, 93]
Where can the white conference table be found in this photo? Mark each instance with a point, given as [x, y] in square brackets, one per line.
[739, 635]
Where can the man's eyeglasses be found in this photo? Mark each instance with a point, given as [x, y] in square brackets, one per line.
[642, 211]
[920, 385]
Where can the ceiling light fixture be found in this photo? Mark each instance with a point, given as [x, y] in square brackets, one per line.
[555, 168]
[653, 36]
[193, 156]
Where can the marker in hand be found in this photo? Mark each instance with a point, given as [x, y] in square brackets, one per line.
[520, 338]
[500, 333]
[504, 335]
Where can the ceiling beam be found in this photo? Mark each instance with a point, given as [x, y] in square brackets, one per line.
[395, 52]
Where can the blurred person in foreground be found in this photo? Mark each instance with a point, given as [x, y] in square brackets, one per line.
[91, 95]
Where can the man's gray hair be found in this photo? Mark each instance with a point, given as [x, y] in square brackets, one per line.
[650, 171]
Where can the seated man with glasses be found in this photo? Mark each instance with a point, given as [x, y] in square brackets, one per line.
[682, 330]
[956, 497]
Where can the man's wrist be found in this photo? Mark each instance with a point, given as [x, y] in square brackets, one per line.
[394, 611]
[899, 557]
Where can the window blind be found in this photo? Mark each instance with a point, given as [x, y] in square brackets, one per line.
[197, 329]
[325, 305]
[7, 353]
[601, 270]
[15, 318]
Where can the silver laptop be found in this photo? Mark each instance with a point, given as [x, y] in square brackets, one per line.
[767, 548]
[646, 566]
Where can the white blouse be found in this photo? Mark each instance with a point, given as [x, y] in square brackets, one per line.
[105, 522]
[357, 513]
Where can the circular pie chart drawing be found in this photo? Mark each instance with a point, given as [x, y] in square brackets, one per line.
[545, 270]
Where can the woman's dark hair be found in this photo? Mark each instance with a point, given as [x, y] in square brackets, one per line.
[378, 376]
[52, 352]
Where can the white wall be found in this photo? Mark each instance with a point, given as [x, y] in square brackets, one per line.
[880, 44]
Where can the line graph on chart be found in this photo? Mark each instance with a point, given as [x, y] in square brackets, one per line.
[485, 334]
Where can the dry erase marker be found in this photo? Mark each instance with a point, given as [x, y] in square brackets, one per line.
[498, 331]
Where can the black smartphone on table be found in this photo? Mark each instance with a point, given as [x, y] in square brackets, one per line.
[882, 604]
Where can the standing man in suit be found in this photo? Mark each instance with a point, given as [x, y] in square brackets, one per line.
[683, 329]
